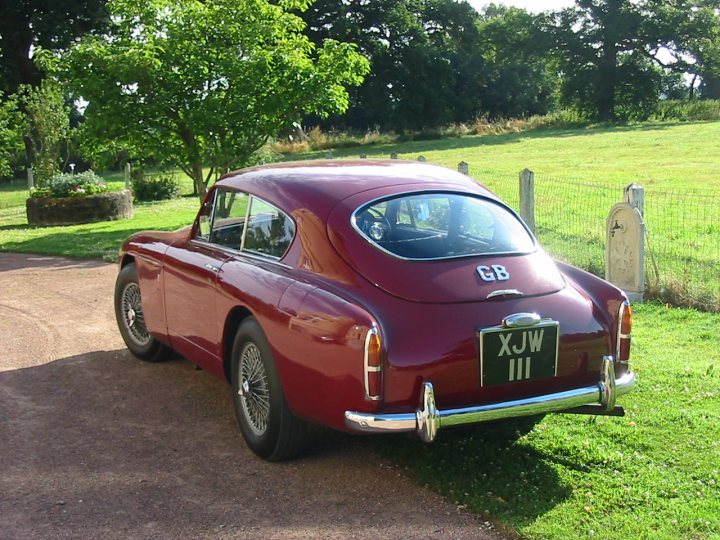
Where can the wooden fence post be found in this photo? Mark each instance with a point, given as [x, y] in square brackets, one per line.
[527, 197]
[31, 181]
[635, 195]
[127, 175]
[464, 168]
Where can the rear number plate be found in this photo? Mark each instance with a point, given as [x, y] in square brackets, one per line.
[510, 355]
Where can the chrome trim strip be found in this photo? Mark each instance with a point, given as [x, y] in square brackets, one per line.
[608, 384]
[624, 306]
[367, 368]
[505, 292]
[236, 253]
[427, 420]
[245, 224]
[519, 320]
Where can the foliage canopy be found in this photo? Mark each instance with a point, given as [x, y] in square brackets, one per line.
[205, 83]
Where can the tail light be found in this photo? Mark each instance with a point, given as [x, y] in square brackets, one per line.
[373, 365]
[624, 331]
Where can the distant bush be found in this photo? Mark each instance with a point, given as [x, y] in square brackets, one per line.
[71, 185]
[683, 110]
[316, 139]
[156, 187]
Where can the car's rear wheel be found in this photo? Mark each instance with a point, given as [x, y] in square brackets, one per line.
[266, 422]
[131, 318]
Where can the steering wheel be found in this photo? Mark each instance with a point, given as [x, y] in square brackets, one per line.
[374, 223]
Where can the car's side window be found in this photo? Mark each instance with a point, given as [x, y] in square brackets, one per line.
[222, 220]
[229, 218]
[269, 230]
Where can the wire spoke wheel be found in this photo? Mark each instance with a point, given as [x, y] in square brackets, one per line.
[254, 389]
[132, 315]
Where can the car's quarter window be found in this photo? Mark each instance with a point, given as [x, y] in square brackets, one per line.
[269, 230]
[441, 225]
[222, 222]
[205, 218]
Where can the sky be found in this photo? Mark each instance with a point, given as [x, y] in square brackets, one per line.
[535, 6]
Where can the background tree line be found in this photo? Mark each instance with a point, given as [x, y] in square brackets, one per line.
[206, 83]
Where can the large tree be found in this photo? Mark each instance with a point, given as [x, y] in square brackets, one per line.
[519, 77]
[601, 48]
[10, 134]
[205, 83]
[689, 30]
[26, 25]
[425, 56]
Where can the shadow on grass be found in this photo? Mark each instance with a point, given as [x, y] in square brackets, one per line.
[485, 471]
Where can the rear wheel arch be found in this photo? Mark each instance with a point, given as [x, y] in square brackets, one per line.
[126, 259]
[234, 319]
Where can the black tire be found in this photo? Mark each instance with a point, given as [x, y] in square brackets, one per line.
[130, 319]
[267, 424]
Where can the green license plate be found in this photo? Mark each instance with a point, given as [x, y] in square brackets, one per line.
[510, 355]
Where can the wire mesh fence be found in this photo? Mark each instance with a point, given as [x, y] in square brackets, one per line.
[683, 232]
[683, 247]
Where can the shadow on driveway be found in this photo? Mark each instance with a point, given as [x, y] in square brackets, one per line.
[101, 445]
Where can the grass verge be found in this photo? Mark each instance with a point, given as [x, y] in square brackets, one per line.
[653, 474]
[100, 240]
[580, 174]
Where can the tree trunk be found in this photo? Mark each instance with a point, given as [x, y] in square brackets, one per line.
[199, 180]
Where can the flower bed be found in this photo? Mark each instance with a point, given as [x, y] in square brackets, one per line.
[74, 210]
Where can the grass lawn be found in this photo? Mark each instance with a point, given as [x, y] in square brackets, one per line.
[652, 474]
[93, 240]
[96, 240]
[662, 156]
[581, 173]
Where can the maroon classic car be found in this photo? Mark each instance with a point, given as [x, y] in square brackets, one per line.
[372, 296]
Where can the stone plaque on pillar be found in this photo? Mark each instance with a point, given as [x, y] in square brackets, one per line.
[625, 250]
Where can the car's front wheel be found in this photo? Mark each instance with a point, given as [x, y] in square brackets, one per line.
[131, 318]
[268, 426]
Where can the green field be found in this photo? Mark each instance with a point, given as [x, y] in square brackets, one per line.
[652, 474]
[662, 156]
[581, 173]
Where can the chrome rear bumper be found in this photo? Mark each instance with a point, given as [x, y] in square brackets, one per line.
[427, 420]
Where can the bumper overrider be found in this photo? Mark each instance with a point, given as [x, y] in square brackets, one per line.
[427, 420]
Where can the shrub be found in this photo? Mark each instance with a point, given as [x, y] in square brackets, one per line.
[683, 110]
[156, 187]
[71, 185]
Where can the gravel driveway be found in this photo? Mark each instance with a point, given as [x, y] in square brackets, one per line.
[96, 444]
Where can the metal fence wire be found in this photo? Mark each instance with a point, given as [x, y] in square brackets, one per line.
[682, 248]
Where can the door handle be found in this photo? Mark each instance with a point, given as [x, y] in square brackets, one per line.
[212, 268]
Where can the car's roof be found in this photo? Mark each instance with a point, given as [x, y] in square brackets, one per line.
[320, 185]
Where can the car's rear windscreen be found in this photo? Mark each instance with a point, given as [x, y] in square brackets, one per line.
[434, 225]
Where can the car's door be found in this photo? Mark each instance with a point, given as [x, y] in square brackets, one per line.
[191, 275]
